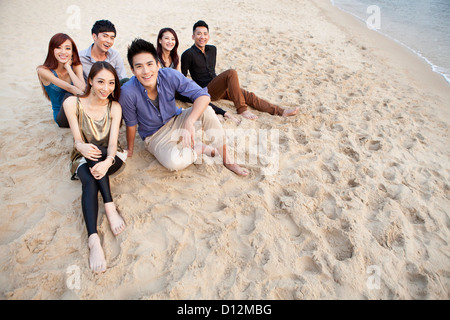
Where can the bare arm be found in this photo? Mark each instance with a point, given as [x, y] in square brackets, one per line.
[116, 116]
[76, 75]
[102, 167]
[131, 134]
[199, 106]
[88, 150]
[179, 66]
[46, 76]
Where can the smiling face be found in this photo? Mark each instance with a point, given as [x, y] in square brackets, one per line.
[104, 40]
[63, 52]
[145, 68]
[201, 37]
[103, 84]
[167, 41]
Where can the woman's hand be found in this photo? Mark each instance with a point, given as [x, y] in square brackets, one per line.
[68, 64]
[89, 151]
[100, 169]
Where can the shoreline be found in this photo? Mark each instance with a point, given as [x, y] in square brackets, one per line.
[433, 66]
[395, 53]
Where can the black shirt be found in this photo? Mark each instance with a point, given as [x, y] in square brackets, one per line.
[202, 67]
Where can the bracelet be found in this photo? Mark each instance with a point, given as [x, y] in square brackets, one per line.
[78, 142]
[113, 159]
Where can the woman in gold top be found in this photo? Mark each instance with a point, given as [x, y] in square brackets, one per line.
[94, 120]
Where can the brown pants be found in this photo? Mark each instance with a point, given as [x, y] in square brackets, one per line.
[226, 86]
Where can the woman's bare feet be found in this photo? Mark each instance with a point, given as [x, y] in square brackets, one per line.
[116, 222]
[97, 261]
[236, 169]
[290, 112]
[249, 115]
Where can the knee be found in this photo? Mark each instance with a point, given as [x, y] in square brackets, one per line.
[87, 180]
[209, 112]
[179, 159]
[209, 116]
[232, 73]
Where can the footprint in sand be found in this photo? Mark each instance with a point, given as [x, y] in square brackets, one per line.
[290, 226]
[308, 265]
[373, 145]
[340, 244]
[329, 207]
[327, 177]
[417, 283]
[350, 152]
[300, 137]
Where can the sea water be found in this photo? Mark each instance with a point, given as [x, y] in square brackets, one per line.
[423, 26]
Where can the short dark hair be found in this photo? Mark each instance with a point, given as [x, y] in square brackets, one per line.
[200, 23]
[103, 26]
[139, 46]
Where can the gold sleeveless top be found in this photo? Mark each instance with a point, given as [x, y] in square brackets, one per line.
[92, 131]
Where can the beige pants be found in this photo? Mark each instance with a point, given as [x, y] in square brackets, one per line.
[166, 146]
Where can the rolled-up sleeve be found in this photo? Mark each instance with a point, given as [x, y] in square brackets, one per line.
[128, 102]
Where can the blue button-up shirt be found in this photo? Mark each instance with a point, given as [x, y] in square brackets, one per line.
[137, 109]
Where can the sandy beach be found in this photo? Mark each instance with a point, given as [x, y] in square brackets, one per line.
[351, 202]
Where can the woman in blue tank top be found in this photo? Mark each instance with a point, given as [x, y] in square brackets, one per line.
[61, 74]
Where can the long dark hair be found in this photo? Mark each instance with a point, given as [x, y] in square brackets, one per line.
[50, 62]
[96, 68]
[57, 40]
[173, 53]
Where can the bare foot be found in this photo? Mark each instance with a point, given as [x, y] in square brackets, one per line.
[236, 169]
[290, 112]
[97, 261]
[116, 222]
[228, 115]
[201, 148]
[249, 115]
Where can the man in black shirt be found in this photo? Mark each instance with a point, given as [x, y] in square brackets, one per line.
[200, 61]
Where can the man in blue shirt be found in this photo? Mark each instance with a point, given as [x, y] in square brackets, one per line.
[148, 105]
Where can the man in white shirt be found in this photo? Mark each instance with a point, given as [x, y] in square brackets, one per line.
[104, 34]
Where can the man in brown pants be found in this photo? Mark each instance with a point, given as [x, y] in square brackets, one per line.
[200, 61]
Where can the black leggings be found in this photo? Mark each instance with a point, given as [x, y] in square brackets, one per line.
[91, 187]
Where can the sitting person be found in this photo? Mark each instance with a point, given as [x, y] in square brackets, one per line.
[104, 34]
[61, 75]
[166, 48]
[167, 45]
[148, 103]
[200, 61]
[94, 120]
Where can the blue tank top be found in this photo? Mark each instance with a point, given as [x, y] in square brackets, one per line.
[56, 95]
